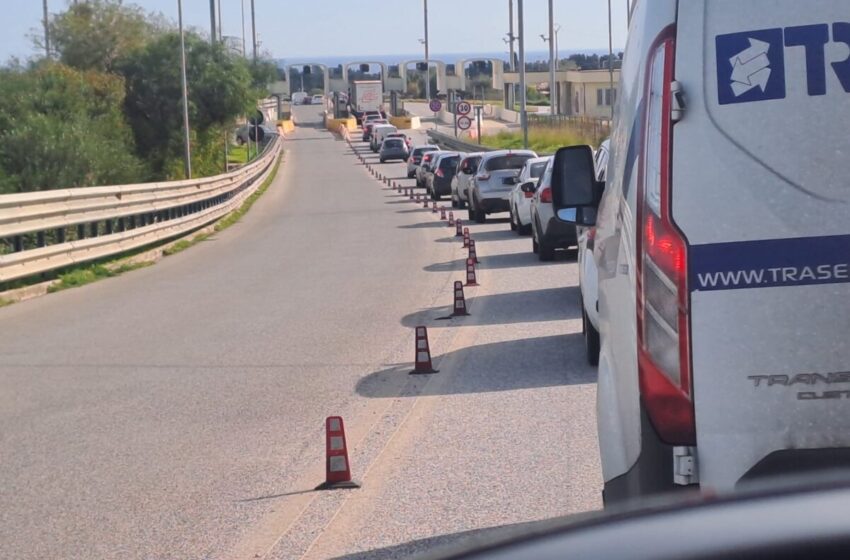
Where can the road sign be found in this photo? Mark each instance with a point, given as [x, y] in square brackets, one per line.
[463, 108]
[464, 123]
[435, 105]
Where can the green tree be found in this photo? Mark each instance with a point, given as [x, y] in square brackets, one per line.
[97, 34]
[220, 90]
[63, 128]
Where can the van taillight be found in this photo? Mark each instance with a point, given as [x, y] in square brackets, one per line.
[664, 357]
[546, 195]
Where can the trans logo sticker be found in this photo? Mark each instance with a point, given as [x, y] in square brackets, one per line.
[751, 66]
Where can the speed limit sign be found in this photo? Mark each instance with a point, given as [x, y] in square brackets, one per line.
[463, 108]
[464, 123]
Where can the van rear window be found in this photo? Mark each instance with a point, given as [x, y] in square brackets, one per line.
[449, 162]
[513, 161]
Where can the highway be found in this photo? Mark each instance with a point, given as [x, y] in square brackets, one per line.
[178, 411]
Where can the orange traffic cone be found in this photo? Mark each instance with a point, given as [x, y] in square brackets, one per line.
[423, 353]
[337, 467]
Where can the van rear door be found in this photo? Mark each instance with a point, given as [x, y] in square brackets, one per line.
[761, 192]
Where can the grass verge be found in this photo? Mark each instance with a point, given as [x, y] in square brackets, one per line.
[82, 276]
[542, 140]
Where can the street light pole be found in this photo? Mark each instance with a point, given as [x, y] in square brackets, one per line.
[254, 29]
[46, 31]
[557, 67]
[427, 58]
[220, 34]
[244, 47]
[551, 59]
[187, 163]
[610, 62]
[511, 39]
[213, 26]
[523, 114]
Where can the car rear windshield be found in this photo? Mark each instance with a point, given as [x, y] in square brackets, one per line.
[537, 169]
[449, 162]
[393, 143]
[421, 150]
[512, 161]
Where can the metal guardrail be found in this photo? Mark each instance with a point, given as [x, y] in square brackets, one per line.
[49, 230]
[455, 144]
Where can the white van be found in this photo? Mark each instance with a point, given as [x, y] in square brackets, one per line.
[722, 245]
[298, 97]
[379, 133]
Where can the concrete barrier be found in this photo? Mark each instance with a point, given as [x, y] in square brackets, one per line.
[406, 123]
[286, 126]
[333, 124]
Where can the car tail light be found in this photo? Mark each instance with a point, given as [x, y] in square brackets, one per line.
[483, 177]
[664, 356]
[546, 194]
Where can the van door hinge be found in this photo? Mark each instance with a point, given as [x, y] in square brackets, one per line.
[685, 469]
[677, 106]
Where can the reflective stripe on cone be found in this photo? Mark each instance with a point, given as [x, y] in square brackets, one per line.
[470, 273]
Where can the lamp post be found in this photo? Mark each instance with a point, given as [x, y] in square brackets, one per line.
[427, 58]
[46, 31]
[254, 29]
[213, 26]
[610, 62]
[244, 48]
[551, 59]
[187, 163]
[523, 114]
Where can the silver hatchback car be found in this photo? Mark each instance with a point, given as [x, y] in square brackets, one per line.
[490, 189]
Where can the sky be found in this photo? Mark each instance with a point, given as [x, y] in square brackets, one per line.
[298, 29]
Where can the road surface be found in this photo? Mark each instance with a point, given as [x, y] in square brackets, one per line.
[177, 411]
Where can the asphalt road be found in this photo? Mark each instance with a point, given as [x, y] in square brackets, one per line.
[177, 411]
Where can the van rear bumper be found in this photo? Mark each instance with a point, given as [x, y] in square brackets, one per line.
[787, 462]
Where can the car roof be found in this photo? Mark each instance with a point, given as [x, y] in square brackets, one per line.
[542, 159]
[447, 154]
[500, 153]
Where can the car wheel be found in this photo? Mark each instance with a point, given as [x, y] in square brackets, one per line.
[652, 474]
[409, 175]
[513, 220]
[479, 215]
[470, 211]
[382, 160]
[454, 202]
[535, 247]
[545, 252]
[239, 141]
[523, 229]
[591, 338]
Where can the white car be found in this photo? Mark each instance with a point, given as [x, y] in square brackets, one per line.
[587, 274]
[318, 100]
[526, 184]
[298, 97]
[722, 243]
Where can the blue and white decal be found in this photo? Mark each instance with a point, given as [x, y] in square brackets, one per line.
[769, 263]
[751, 64]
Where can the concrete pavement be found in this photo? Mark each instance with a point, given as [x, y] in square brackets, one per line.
[177, 411]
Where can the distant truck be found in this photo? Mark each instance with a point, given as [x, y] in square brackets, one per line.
[368, 95]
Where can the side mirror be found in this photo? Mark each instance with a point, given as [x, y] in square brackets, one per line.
[575, 191]
[528, 187]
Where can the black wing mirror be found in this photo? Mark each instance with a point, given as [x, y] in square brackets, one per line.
[528, 187]
[575, 191]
